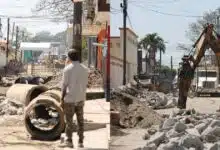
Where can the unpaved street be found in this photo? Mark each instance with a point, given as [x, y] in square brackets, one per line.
[132, 138]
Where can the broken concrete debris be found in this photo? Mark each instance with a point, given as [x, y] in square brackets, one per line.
[10, 106]
[95, 79]
[153, 99]
[200, 132]
[136, 105]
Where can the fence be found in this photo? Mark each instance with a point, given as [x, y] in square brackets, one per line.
[42, 69]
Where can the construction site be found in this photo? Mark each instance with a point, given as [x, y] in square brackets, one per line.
[175, 115]
[30, 85]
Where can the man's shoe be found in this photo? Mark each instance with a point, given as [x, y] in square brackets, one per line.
[80, 145]
[67, 144]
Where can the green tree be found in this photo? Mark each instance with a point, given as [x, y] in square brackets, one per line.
[153, 42]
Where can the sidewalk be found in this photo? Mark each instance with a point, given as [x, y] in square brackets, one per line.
[15, 137]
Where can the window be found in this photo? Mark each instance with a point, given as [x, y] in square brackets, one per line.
[209, 74]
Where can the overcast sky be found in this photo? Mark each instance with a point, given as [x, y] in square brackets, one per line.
[23, 8]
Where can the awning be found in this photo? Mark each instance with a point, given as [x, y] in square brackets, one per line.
[35, 46]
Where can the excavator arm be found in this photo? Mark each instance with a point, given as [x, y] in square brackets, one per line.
[207, 39]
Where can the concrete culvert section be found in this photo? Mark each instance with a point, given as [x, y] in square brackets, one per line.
[39, 127]
[25, 93]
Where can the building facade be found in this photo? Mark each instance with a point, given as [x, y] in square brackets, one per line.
[93, 33]
[116, 50]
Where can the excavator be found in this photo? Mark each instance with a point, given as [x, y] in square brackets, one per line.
[209, 38]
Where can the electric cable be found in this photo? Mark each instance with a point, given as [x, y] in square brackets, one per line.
[167, 14]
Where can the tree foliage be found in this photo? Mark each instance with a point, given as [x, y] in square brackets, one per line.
[62, 8]
[153, 42]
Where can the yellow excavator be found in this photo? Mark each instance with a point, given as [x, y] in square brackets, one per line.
[209, 38]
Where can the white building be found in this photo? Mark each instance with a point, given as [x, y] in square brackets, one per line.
[116, 50]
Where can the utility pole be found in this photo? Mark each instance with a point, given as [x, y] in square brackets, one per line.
[16, 42]
[1, 34]
[218, 25]
[7, 50]
[23, 40]
[124, 6]
[77, 28]
[160, 60]
[13, 31]
[171, 62]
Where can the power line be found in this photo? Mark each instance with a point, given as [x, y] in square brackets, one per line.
[168, 14]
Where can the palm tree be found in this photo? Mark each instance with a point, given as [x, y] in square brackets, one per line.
[152, 43]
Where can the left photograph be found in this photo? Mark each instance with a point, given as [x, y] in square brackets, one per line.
[55, 74]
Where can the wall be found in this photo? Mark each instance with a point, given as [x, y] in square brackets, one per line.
[116, 75]
[131, 49]
[116, 49]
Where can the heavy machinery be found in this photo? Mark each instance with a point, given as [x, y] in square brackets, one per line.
[208, 39]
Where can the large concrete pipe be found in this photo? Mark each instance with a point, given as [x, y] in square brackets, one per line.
[25, 93]
[47, 101]
[41, 111]
[54, 93]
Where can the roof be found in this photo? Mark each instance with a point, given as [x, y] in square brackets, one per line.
[35, 46]
[128, 29]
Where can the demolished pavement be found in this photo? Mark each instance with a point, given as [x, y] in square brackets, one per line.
[185, 129]
[135, 106]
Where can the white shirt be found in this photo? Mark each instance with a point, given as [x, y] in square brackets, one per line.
[75, 80]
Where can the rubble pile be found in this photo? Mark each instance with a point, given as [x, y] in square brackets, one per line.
[185, 129]
[153, 99]
[95, 78]
[7, 81]
[10, 107]
[159, 100]
[133, 112]
[55, 81]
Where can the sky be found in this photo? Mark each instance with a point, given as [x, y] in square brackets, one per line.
[144, 20]
[23, 8]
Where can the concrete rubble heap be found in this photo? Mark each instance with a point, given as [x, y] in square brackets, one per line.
[10, 106]
[133, 111]
[153, 99]
[95, 78]
[185, 130]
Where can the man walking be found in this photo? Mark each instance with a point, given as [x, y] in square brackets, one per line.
[74, 84]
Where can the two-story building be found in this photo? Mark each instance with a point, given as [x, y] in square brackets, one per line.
[116, 50]
[94, 33]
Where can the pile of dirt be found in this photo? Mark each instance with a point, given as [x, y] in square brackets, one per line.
[95, 78]
[133, 112]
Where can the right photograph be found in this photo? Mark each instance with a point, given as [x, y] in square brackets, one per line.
[165, 75]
